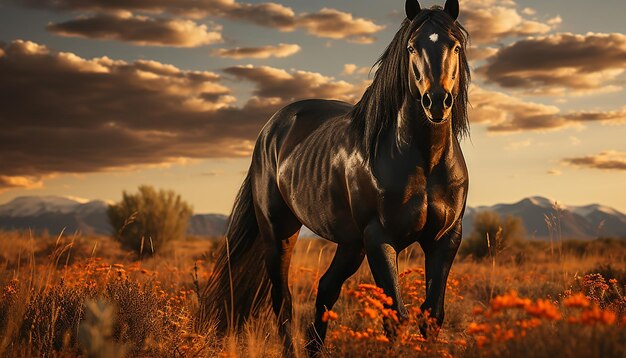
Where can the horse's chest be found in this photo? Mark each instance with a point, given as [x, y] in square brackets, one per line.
[423, 208]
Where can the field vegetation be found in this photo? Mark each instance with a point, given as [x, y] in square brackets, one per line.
[72, 295]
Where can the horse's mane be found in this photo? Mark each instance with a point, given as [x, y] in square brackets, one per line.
[378, 109]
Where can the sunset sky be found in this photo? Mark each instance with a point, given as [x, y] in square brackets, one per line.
[101, 96]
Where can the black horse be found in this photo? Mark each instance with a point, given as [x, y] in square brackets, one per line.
[373, 178]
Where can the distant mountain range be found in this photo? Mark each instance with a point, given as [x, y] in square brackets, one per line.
[55, 213]
[576, 222]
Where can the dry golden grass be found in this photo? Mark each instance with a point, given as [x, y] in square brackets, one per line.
[74, 295]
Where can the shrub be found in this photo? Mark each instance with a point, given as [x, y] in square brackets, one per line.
[147, 220]
[502, 233]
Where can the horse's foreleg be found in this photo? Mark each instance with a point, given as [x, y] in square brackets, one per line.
[383, 261]
[347, 260]
[439, 257]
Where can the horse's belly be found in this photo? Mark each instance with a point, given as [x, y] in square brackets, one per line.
[318, 199]
[324, 213]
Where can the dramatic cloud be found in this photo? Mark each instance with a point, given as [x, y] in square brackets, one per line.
[272, 82]
[11, 182]
[490, 21]
[335, 24]
[279, 51]
[350, 69]
[609, 160]
[140, 30]
[65, 114]
[560, 64]
[327, 23]
[481, 53]
[504, 113]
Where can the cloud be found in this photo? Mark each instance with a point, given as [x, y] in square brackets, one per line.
[560, 64]
[273, 82]
[609, 160]
[350, 69]
[335, 24]
[490, 21]
[481, 53]
[554, 172]
[140, 30]
[326, 23]
[504, 113]
[279, 51]
[23, 182]
[65, 114]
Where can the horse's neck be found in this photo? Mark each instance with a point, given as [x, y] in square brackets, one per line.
[414, 131]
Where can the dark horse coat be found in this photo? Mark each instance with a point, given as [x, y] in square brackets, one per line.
[373, 178]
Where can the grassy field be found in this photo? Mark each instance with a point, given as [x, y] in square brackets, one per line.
[74, 295]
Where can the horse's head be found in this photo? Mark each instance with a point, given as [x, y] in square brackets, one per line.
[435, 58]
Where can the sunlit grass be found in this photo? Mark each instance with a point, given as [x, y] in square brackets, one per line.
[74, 295]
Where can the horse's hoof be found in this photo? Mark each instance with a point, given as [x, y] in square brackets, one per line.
[429, 330]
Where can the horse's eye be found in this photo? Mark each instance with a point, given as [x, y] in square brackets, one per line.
[411, 49]
[457, 49]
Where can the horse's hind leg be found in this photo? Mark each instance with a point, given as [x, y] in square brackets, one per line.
[347, 260]
[279, 230]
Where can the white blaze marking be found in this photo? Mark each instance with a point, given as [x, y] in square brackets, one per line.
[434, 37]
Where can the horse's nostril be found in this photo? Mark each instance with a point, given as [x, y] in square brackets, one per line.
[426, 101]
[448, 101]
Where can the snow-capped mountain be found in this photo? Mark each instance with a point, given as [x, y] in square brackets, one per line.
[36, 205]
[576, 222]
[54, 213]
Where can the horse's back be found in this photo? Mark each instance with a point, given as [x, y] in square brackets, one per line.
[293, 123]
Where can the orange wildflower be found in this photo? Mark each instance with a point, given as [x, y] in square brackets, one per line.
[530, 323]
[481, 341]
[597, 315]
[329, 316]
[382, 338]
[371, 313]
[577, 300]
[544, 309]
[510, 300]
[476, 328]
[369, 286]
[461, 342]
[477, 311]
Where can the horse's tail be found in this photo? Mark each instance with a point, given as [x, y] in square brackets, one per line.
[239, 286]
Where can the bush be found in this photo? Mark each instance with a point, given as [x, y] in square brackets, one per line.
[147, 220]
[502, 233]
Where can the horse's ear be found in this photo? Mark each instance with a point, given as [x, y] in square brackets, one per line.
[452, 8]
[412, 8]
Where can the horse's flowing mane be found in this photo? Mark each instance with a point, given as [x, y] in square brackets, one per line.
[378, 109]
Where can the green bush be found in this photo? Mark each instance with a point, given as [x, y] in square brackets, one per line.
[146, 221]
[502, 233]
